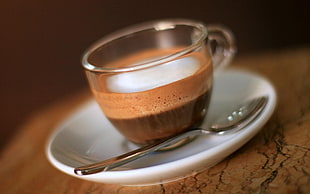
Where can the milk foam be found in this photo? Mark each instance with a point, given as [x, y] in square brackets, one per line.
[146, 79]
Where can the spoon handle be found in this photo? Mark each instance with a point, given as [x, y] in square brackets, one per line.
[135, 154]
[251, 110]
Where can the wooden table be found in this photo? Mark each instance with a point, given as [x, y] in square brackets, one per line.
[277, 160]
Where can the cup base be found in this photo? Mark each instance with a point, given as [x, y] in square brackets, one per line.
[128, 145]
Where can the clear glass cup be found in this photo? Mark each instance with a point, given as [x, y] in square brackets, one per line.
[154, 80]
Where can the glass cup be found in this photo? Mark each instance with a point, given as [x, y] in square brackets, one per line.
[154, 80]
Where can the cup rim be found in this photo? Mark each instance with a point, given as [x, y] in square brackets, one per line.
[157, 25]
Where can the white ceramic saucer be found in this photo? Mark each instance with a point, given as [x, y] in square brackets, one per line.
[86, 137]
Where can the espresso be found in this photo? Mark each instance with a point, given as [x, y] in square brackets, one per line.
[159, 101]
[149, 128]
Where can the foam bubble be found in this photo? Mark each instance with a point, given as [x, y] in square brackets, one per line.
[146, 79]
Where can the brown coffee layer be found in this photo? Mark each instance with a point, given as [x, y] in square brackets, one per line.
[147, 129]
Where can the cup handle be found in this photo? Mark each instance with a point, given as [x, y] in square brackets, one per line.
[222, 45]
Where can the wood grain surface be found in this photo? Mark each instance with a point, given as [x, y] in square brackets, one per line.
[277, 160]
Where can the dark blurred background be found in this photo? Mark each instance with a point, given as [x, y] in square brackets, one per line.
[42, 41]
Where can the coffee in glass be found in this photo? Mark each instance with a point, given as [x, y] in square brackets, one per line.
[154, 80]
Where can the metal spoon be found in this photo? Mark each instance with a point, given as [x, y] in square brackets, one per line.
[233, 122]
